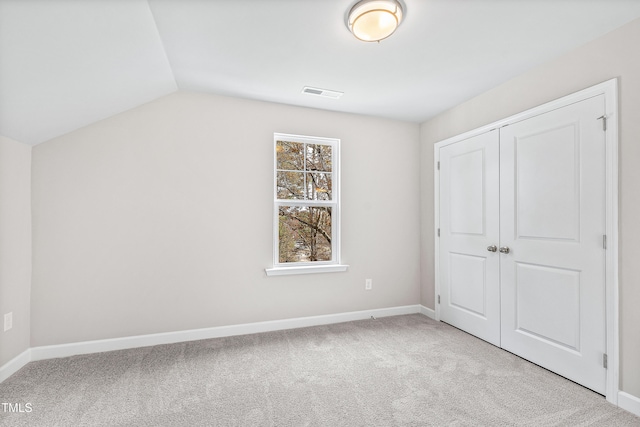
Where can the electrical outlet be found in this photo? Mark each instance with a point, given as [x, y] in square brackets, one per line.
[8, 321]
[367, 284]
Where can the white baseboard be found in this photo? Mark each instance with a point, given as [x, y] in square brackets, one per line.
[626, 401]
[98, 346]
[430, 313]
[15, 364]
[629, 402]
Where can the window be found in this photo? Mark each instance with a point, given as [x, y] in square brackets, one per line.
[306, 205]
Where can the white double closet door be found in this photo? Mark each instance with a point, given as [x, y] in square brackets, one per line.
[522, 220]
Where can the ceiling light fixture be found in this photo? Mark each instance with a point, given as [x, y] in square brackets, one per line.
[374, 20]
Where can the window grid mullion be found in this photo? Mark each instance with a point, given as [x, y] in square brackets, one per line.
[304, 169]
[308, 203]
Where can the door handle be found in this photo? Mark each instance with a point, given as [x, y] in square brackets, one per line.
[492, 248]
[504, 249]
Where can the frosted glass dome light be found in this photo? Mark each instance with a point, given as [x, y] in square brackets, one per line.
[374, 20]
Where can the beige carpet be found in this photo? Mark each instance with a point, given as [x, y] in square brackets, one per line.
[394, 371]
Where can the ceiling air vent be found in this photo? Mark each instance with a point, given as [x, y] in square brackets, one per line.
[322, 92]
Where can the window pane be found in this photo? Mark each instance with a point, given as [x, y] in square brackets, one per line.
[290, 185]
[319, 186]
[304, 234]
[318, 157]
[290, 155]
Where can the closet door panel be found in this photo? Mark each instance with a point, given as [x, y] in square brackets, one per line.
[552, 195]
[469, 223]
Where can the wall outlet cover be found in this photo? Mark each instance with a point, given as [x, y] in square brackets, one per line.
[8, 321]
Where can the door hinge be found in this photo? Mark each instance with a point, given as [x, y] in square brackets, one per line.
[604, 241]
[604, 122]
[438, 232]
[605, 363]
[438, 299]
[438, 165]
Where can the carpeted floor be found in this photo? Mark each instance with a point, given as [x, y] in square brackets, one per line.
[394, 371]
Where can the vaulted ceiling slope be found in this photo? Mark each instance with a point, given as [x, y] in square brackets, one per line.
[65, 64]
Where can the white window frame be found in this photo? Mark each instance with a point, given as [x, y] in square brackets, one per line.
[314, 266]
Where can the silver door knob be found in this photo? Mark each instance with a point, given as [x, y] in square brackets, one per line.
[492, 248]
[504, 249]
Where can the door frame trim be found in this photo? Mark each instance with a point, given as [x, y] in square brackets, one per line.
[609, 89]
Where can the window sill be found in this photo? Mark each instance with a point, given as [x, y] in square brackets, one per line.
[306, 269]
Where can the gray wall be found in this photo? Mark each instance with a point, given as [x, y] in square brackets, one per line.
[614, 55]
[15, 246]
[160, 219]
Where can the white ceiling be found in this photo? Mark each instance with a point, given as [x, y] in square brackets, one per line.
[67, 63]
